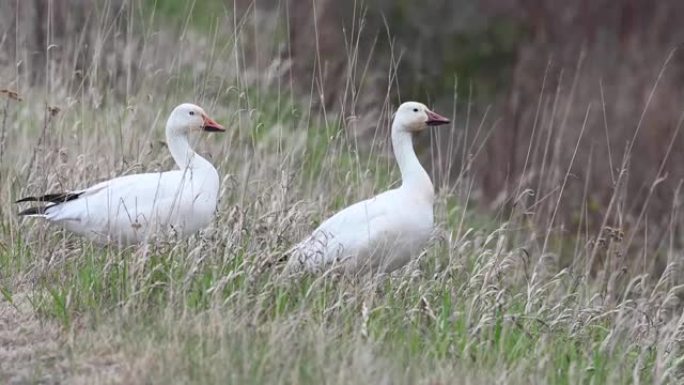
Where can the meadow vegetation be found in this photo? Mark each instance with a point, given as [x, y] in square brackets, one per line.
[507, 296]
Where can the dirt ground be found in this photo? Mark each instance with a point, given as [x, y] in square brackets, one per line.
[30, 349]
[35, 351]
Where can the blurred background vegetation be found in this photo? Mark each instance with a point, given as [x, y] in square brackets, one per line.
[583, 94]
[557, 257]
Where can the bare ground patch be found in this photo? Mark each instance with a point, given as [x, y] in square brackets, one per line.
[30, 349]
[39, 351]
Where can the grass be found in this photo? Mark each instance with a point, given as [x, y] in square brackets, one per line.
[482, 305]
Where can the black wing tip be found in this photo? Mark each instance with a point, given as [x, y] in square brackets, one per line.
[27, 199]
[51, 198]
[40, 210]
[54, 199]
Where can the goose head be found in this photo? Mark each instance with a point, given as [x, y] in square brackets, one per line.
[415, 117]
[188, 118]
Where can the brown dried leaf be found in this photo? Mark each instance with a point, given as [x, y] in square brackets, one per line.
[53, 110]
[11, 94]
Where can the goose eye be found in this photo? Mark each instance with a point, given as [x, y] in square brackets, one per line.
[415, 110]
[192, 113]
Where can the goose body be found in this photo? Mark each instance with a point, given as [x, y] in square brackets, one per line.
[133, 208]
[384, 232]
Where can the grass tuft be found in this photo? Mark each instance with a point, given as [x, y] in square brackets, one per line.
[493, 299]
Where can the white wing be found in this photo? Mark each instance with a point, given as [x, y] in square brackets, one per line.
[357, 232]
[129, 208]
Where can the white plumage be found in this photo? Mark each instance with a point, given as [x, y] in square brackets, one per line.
[381, 233]
[133, 208]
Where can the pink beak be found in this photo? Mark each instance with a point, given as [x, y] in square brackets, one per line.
[435, 119]
[210, 125]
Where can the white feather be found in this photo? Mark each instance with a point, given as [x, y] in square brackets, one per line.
[133, 208]
[382, 233]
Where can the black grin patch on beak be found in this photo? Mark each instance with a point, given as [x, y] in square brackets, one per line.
[212, 129]
[435, 119]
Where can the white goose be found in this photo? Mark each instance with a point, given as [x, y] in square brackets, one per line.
[384, 232]
[132, 208]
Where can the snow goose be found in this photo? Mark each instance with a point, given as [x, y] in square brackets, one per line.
[130, 209]
[383, 232]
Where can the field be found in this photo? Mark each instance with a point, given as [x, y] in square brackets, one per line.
[493, 299]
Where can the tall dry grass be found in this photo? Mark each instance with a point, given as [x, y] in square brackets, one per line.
[510, 298]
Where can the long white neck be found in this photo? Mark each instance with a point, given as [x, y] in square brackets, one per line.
[183, 154]
[413, 176]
